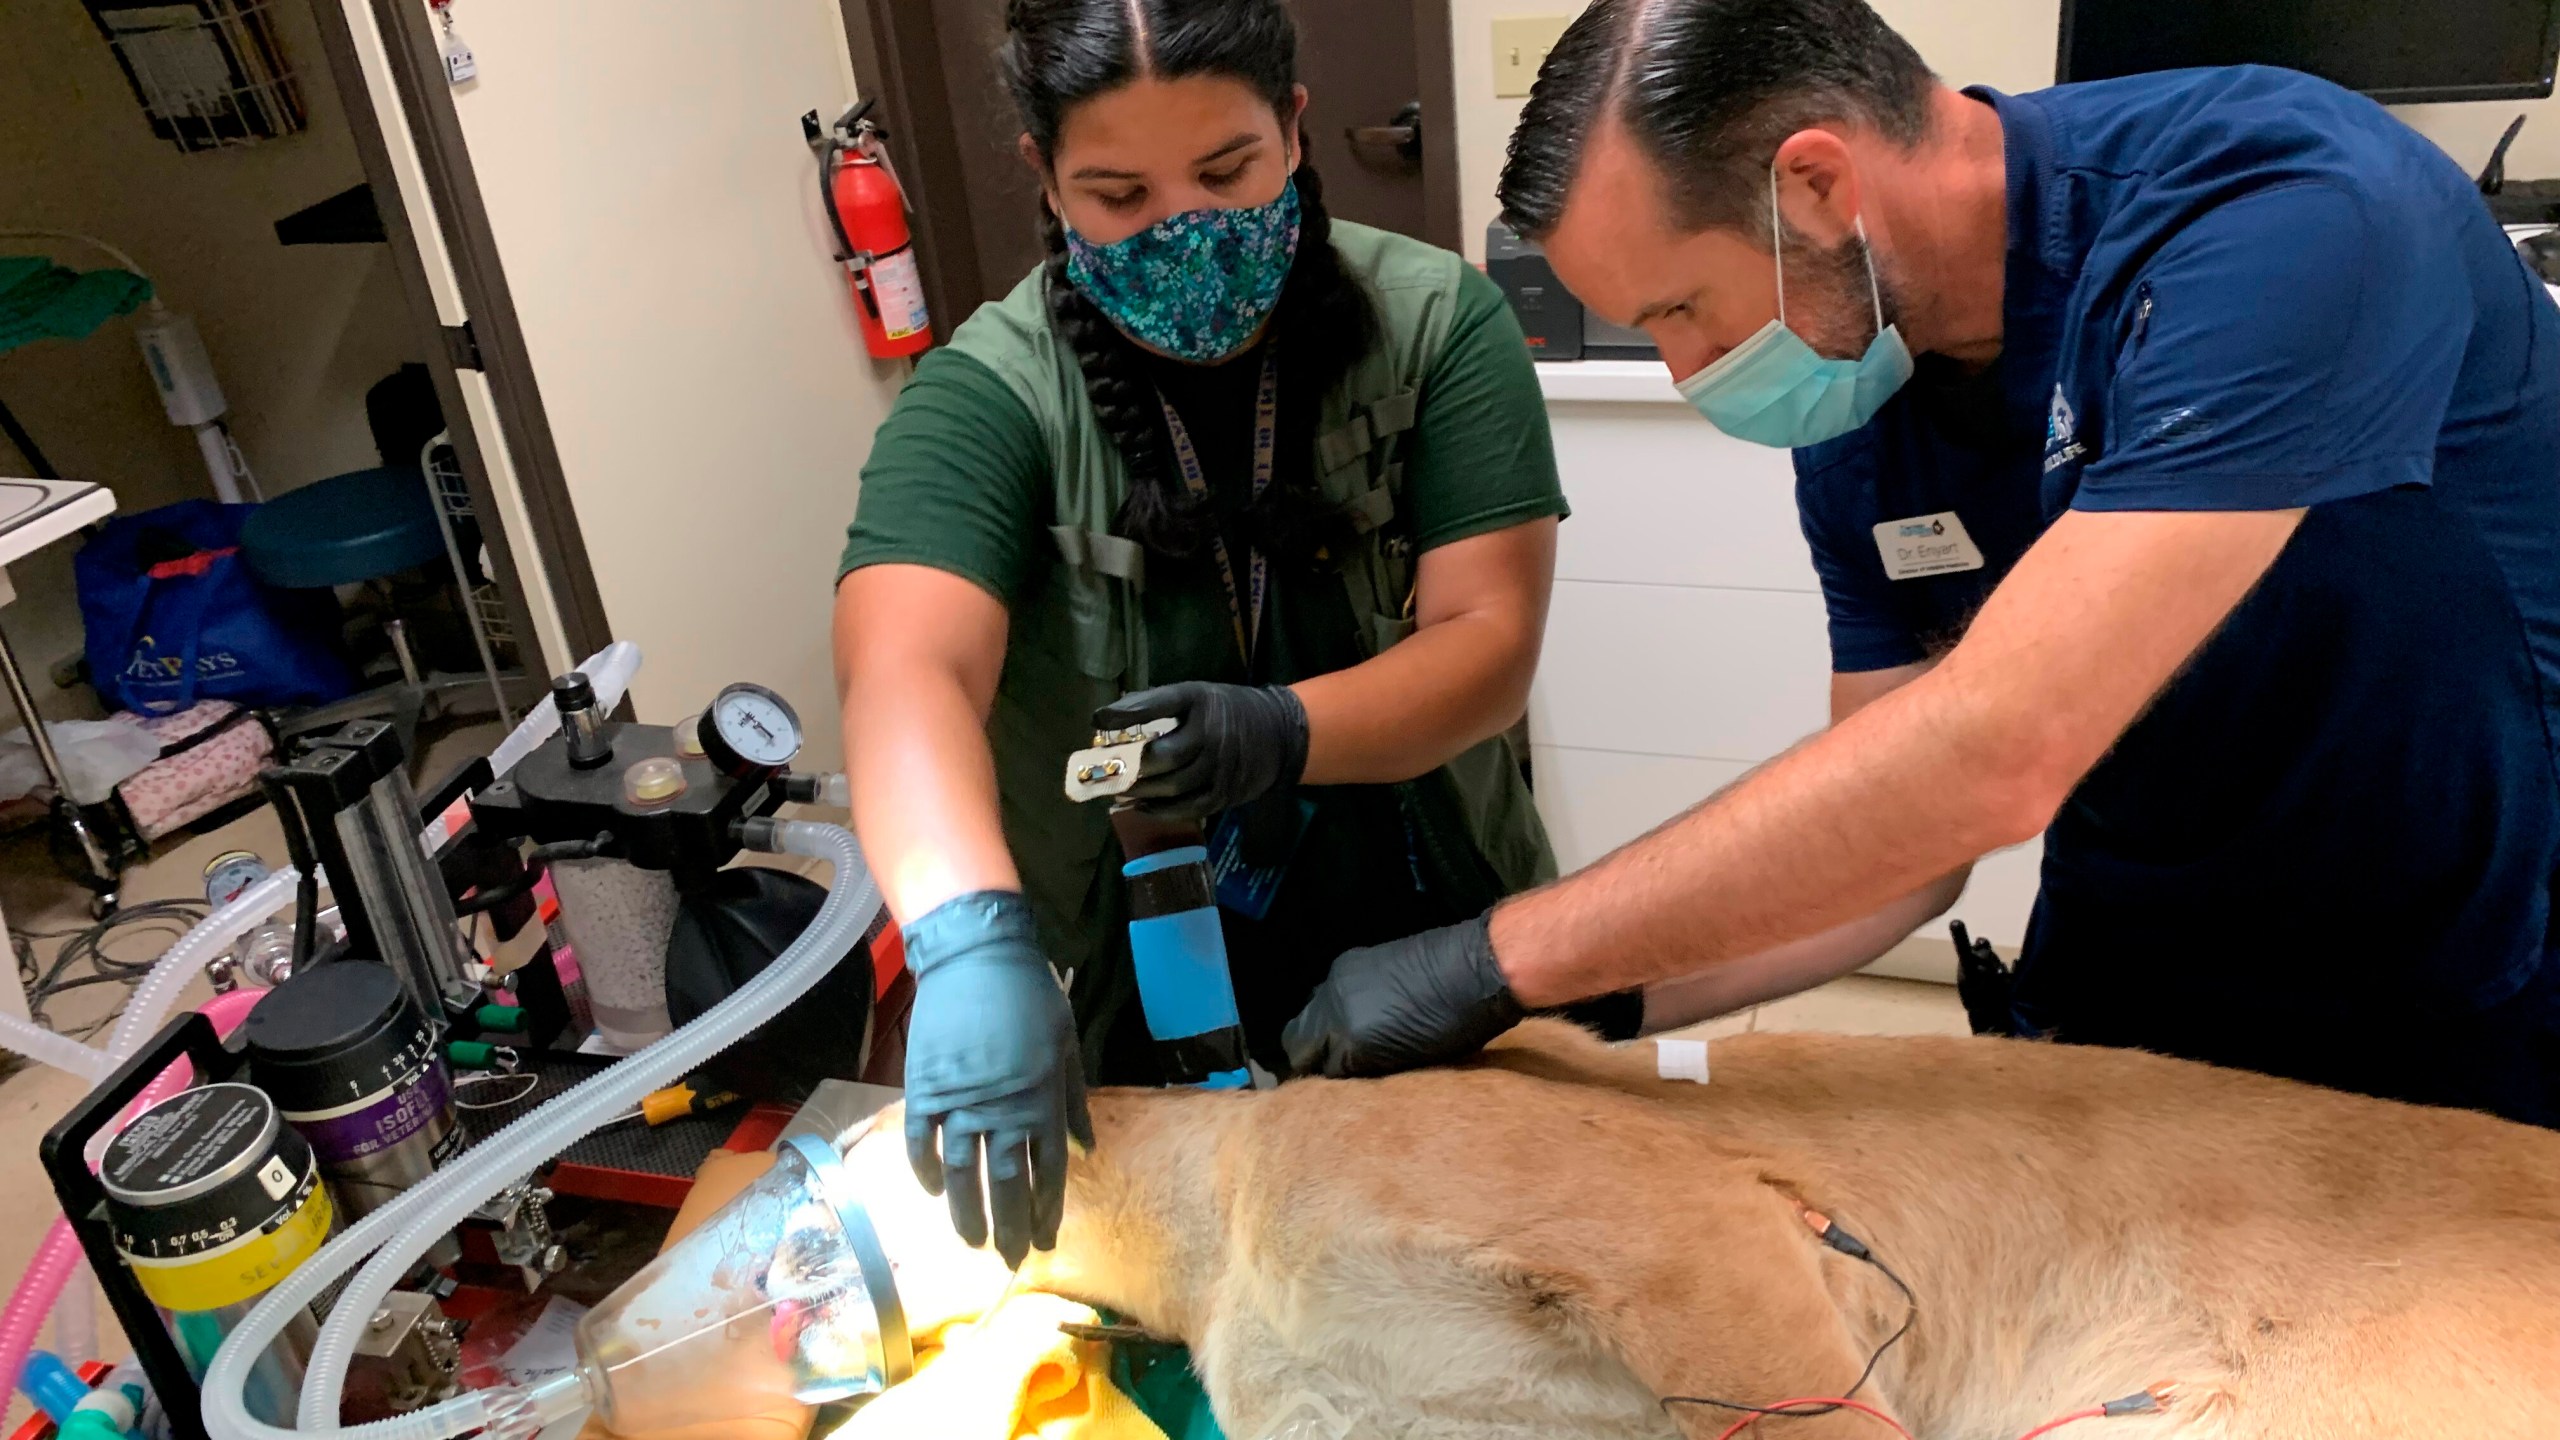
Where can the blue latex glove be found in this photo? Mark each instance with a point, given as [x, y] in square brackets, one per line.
[992, 1066]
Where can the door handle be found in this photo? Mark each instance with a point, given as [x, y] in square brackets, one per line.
[1402, 133]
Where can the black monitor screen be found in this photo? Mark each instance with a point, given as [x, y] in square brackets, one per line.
[2393, 50]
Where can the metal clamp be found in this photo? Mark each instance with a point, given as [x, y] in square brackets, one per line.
[520, 1232]
[892, 1349]
[406, 1358]
[1112, 764]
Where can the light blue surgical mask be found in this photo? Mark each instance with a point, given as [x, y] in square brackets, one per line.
[1773, 389]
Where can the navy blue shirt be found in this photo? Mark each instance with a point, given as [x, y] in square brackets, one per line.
[2328, 850]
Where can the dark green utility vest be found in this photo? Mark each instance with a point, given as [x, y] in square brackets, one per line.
[1078, 639]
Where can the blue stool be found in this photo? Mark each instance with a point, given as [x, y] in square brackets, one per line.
[356, 529]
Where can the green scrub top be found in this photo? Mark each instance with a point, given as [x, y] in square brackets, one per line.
[959, 480]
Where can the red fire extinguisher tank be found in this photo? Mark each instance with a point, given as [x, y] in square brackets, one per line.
[871, 215]
[867, 209]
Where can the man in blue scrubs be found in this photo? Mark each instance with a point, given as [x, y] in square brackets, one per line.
[2181, 458]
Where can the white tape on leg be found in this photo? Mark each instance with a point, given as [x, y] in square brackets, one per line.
[1681, 1060]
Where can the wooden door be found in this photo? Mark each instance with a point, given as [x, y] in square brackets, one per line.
[1364, 111]
[999, 194]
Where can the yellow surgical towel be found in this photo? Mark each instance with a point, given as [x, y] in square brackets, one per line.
[1010, 1376]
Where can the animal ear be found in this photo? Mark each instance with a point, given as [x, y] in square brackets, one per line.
[1707, 1284]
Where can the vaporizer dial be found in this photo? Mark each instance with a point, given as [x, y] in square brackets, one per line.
[749, 730]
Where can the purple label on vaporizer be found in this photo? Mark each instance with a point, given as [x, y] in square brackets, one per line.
[377, 1122]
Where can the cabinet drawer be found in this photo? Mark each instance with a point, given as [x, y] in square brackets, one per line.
[1673, 670]
[1596, 800]
[1661, 497]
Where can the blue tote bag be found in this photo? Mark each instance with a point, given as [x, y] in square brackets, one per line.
[173, 616]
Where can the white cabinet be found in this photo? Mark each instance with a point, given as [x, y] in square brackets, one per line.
[1596, 800]
[1686, 642]
[1660, 497]
[1690, 670]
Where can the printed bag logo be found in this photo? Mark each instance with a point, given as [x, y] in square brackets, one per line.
[149, 667]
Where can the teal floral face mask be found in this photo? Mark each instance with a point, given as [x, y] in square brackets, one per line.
[1195, 285]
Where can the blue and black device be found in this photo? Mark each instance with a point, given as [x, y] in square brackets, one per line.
[1180, 952]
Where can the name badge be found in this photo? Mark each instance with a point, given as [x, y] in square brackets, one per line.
[1926, 545]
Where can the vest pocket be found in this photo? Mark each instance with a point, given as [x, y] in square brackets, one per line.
[1386, 630]
[1501, 814]
[1094, 623]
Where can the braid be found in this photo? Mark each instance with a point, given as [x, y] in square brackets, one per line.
[1160, 512]
[1326, 323]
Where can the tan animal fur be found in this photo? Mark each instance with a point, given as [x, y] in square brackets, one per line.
[1546, 1242]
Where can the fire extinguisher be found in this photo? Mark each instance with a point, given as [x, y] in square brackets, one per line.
[867, 208]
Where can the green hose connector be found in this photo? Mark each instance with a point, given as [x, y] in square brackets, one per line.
[472, 1054]
[509, 1018]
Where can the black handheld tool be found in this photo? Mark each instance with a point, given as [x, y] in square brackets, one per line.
[1983, 983]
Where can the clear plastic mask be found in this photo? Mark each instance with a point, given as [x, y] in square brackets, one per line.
[785, 1296]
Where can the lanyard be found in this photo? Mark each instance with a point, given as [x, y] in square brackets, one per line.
[1266, 409]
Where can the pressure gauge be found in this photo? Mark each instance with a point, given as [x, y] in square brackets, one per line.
[228, 874]
[749, 730]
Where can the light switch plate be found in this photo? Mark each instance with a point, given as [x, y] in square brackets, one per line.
[1520, 46]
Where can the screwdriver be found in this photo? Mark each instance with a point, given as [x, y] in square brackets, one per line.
[676, 1102]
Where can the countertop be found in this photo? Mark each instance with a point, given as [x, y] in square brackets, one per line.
[1636, 382]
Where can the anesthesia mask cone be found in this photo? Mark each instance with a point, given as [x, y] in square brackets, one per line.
[784, 1296]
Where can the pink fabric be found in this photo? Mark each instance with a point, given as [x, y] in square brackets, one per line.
[178, 789]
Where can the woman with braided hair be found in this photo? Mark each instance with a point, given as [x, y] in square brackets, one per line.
[1221, 459]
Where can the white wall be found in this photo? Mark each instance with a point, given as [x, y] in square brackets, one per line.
[2008, 44]
[297, 334]
[655, 210]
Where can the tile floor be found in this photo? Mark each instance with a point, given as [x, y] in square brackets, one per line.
[34, 1098]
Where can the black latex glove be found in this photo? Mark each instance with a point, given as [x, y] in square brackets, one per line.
[1424, 1000]
[994, 1083]
[1235, 743]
